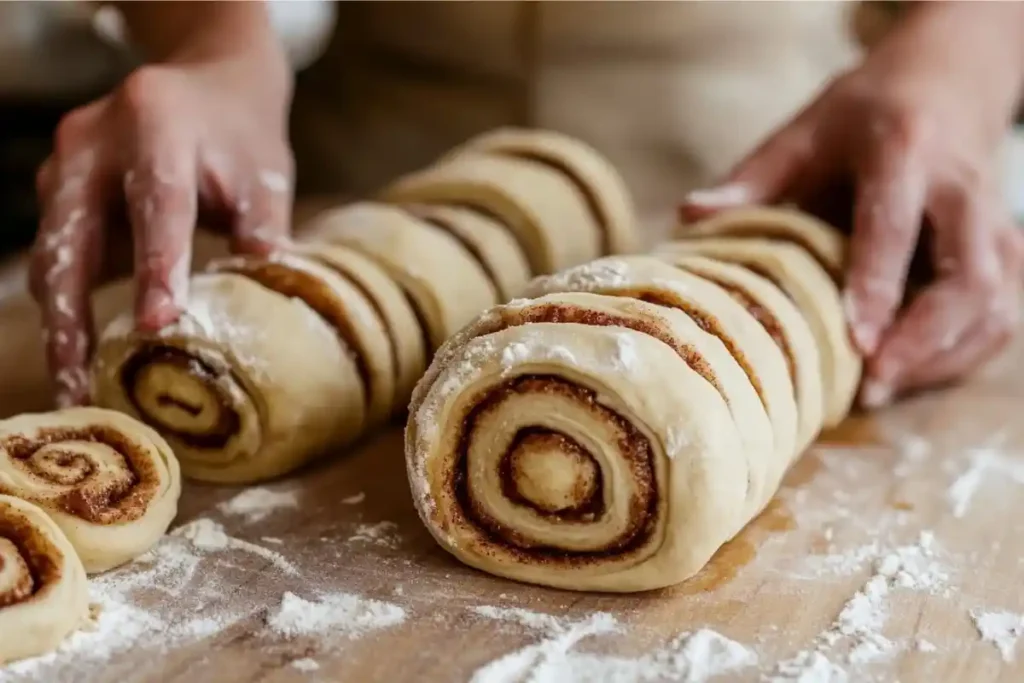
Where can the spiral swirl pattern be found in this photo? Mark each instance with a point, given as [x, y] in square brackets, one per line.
[612, 430]
[110, 483]
[43, 589]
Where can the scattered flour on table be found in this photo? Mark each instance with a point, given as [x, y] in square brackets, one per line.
[923, 645]
[256, 504]
[383, 534]
[689, 658]
[306, 665]
[984, 463]
[208, 535]
[338, 613]
[354, 500]
[1002, 629]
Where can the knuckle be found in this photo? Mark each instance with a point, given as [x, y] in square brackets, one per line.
[67, 137]
[902, 127]
[143, 88]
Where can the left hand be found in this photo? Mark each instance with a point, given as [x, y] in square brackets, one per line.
[917, 128]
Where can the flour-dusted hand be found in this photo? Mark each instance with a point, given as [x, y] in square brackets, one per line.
[917, 128]
[201, 129]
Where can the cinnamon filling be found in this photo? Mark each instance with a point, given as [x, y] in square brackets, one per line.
[38, 555]
[228, 420]
[789, 237]
[526, 481]
[423, 214]
[123, 498]
[589, 194]
[468, 204]
[293, 282]
[632, 445]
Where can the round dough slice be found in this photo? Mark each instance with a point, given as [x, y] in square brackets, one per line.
[608, 199]
[44, 595]
[797, 274]
[445, 283]
[248, 385]
[822, 241]
[783, 321]
[109, 482]
[544, 211]
[773, 414]
[585, 442]
[489, 241]
[404, 337]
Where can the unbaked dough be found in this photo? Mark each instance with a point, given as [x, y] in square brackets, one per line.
[109, 482]
[44, 595]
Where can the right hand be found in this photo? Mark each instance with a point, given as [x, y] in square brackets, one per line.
[171, 142]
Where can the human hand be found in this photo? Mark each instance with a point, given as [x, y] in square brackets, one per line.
[916, 130]
[173, 142]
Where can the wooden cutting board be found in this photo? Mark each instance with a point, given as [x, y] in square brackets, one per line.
[888, 544]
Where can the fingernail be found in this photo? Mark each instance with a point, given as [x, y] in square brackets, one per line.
[865, 336]
[875, 394]
[723, 195]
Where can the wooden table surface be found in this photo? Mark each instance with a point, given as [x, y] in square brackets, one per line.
[937, 479]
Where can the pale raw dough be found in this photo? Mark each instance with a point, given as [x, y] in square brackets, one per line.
[607, 196]
[249, 384]
[802, 278]
[44, 595]
[109, 482]
[446, 284]
[547, 213]
[613, 373]
[649, 279]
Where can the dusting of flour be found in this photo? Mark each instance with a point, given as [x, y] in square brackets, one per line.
[258, 503]
[339, 613]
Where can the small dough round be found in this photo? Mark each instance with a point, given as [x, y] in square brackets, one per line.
[109, 482]
[446, 284]
[44, 595]
[801, 277]
[608, 198]
[248, 385]
[546, 213]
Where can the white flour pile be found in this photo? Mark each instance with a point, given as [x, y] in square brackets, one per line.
[256, 504]
[1002, 629]
[337, 614]
[986, 465]
[689, 658]
[207, 535]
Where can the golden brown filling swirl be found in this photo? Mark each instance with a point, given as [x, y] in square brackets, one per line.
[579, 497]
[151, 358]
[786, 236]
[111, 487]
[28, 561]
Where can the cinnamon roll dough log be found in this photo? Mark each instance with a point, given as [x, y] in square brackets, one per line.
[44, 595]
[109, 482]
[647, 278]
[249, 384]
[814, 293]
[445, 284]
[819, 239]
[404, 336]
[628, 412]
[489, 241]
[608, 199]
[784, 322]
[545, 212]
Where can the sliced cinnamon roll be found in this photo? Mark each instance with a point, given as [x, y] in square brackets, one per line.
[819, 239]
[716, 311]
[249, 384]
[109, 482]
[445, 284]
[545, 212]
[797, 274]
[598, 182]
[44, 595]
[585, 442]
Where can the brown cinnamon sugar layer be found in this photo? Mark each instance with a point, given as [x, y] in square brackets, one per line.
[589, 194]
[37, 555]
[228, 420]
[121, 499]
[441, 224]
[587, 504]
[787, 236]
[631, 445]
[316, 294]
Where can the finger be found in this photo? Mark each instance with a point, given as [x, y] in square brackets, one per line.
[762, 178]
[263, 213]
[62, 273]
[160, 193]
[978, 346]
[888, 212]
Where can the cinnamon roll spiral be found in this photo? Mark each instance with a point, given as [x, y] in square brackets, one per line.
[110, 483]
[44, 594]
